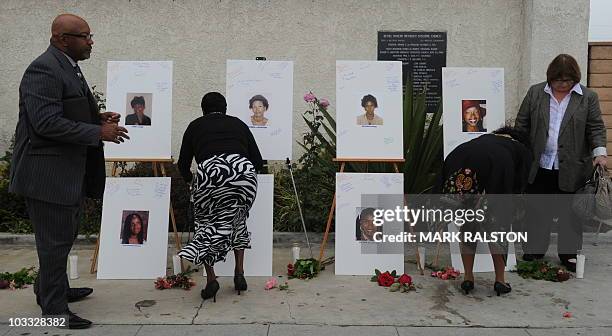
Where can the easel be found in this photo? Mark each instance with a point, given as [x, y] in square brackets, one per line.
[158, 166]
[332, 209]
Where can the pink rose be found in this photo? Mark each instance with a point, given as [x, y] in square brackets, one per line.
[444, 276]
[324, 103]
[309, 97]
[271, 283]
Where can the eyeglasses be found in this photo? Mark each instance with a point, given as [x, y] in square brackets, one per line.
[86, 36]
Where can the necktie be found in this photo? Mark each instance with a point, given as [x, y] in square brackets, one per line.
[79, 74]
[87, 93]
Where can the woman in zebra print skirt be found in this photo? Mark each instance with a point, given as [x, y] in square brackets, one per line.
[223, 189]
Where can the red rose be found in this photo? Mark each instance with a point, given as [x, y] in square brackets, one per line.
[405, 279]
[385, 279]
[290, 269]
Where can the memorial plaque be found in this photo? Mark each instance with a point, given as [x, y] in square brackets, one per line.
[423, 54]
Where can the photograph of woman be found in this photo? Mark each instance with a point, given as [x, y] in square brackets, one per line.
[223, 189]
[472, 115]
[364, 225]
[138, 117]
[259, 105]
[369, 104]
[134, 228]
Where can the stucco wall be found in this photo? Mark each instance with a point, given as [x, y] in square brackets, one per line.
[199, 35]
[553, 27]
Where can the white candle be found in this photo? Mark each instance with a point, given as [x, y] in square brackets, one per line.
[176, 263]
[580, 259]
[295, 253]
[74, 262]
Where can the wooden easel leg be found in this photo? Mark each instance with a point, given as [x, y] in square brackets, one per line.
[177, 240]
[329, 220]
[94, 260]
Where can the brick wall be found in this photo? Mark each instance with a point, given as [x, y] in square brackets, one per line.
[600, 80]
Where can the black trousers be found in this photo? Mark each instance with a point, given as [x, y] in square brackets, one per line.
[553, 206]
[55, 229]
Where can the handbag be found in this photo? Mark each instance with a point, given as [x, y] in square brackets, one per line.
[593, 199]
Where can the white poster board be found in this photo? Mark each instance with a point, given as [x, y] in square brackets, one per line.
[354, 255]
[129, 250]
[375, 86]
[257, 259]
[260, 93]
[473, 104]
[128, 85]
[482, 261]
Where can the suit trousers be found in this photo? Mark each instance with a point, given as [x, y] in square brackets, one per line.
[55, 229]
[554, 205]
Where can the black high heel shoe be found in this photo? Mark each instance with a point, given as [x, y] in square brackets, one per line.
[501, 288]
[240, 283]
[210, 291]
[467, 286]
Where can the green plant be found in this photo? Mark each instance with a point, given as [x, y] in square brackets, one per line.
[19, 279]
[541, 270]
[422, 143]
[13, 213]
[305, 269]
[314, 175]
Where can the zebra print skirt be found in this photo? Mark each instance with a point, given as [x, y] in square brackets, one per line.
[223, 192]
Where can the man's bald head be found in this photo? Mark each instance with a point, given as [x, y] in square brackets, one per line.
[71, 34]
[67, 23]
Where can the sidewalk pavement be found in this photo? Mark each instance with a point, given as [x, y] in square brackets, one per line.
[329, 304]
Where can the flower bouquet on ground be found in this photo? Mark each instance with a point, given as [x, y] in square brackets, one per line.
[446, 273]
[303, 269]
[19, 279]
[541, 270]
[400, 284]
[182, 280]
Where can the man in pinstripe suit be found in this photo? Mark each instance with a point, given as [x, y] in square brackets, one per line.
[58, 157]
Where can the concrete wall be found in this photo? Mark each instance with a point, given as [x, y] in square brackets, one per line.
[553, 27]
[199, 35]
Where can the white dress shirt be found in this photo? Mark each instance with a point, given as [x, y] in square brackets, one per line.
[550, 156]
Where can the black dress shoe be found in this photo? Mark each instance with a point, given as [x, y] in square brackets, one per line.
[76, 294]
[565, 261]
[75, 322]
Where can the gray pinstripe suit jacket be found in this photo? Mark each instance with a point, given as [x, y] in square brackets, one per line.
[54, 156]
